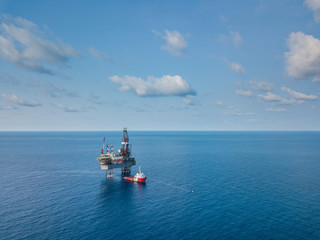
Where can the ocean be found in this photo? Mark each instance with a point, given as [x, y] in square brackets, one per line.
[246, 185]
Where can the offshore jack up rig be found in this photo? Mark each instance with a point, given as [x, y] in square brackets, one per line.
[122, 159]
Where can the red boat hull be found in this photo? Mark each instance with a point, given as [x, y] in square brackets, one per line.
[132, 179]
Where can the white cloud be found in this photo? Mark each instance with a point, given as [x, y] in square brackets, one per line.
[23, 44]
[261, 86]
[98, 54]
[67, 109]
[189, 100]
[236, 38]
[19, 101]
[270, 97]
[219, 103]
[303, 60]
[276, 110]
[314, 5]
[277, 100]
[175, 42]
[298, 95]
[167, 85]
[245, 93]
[233, 36]
[236, 67]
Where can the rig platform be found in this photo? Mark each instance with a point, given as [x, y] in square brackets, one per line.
[122, 159]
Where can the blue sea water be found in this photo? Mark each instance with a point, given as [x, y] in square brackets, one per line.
[247, 185]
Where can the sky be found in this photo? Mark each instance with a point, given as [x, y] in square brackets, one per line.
[159, 65]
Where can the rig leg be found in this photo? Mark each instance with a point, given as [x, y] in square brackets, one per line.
[109, 173]
[126, 170]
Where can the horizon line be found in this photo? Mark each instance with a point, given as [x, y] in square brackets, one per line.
[276, 130]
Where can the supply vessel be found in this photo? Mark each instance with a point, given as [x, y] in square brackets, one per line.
[122, 159]
[139, 177]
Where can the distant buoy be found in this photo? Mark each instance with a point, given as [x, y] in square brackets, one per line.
[192, 191]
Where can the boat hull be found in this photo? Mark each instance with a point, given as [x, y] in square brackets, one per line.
[133, 179]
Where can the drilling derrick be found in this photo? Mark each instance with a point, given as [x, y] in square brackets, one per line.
[125, 144]
[110, 160]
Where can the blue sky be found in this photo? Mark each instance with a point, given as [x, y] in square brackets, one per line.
[159, 65]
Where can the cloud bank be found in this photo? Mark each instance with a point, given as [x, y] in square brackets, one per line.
[303, 59]
[167, 85]
[175, 42]
[23, 44]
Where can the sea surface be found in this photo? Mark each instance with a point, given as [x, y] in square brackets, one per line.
[246, 185]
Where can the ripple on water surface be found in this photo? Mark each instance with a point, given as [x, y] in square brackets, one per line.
[247, 185]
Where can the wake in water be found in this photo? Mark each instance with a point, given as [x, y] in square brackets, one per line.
[171, 185]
